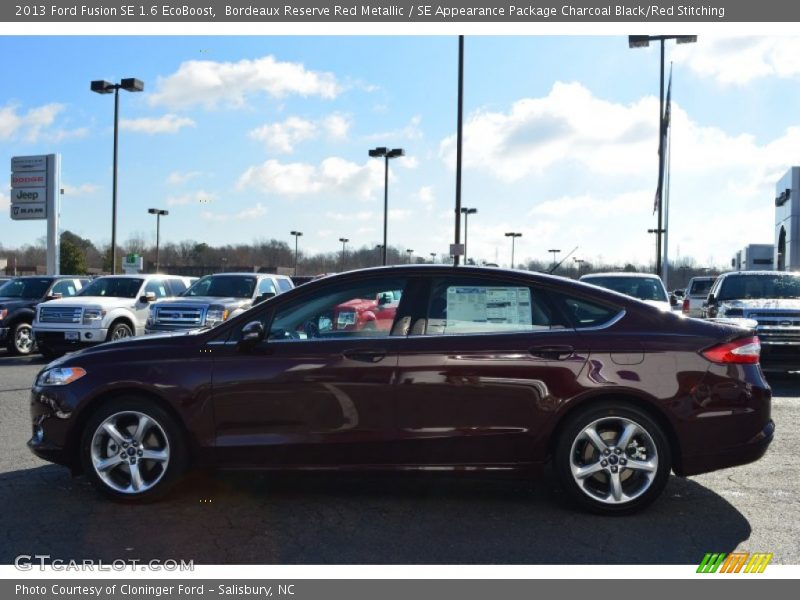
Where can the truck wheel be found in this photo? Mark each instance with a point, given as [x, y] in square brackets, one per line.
[132, 450]
[21, 341]
[119, 331]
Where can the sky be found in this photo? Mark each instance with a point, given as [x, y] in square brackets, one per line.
[247, 138]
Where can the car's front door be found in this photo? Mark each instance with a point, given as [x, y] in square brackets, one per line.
[488, 361]
[314, 392]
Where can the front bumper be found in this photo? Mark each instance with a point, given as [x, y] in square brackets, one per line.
[56, 339]
[4, 332]
[50, 422]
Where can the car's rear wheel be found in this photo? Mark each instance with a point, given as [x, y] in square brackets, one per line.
[132, 450]
[21, 341]
[612, 458]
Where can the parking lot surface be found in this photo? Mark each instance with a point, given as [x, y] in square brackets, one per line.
[312, 518]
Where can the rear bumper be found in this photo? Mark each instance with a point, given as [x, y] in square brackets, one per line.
[748, 452]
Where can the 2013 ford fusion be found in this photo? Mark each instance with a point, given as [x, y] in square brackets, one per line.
[479, 369]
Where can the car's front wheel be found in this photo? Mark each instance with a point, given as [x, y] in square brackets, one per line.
[119, 331]
[612, 458]
[132, 450]
[21, 341]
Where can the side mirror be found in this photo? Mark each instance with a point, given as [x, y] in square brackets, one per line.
[55, 296]
[264, 296]
[252, 333]
[148, 297]
[384, 299]
[673, 300]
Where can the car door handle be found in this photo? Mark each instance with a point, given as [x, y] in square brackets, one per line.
[552, 352]
[369, 356]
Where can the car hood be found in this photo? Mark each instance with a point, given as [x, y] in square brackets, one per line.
[6, 302]
[764, 303]
[203, 301]
[107, 302]
[666, 306]
[357, 304]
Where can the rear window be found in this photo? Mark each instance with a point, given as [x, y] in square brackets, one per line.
[700, 287]
[284, 285]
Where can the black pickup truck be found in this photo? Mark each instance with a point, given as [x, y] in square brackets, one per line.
[18, 300]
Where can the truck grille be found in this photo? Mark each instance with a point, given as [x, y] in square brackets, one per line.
[778, 327]
[60, 314]
[180, 316]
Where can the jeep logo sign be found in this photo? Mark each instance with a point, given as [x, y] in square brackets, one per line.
[27, 195]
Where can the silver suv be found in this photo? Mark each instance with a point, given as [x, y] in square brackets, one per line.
[214, 299]
[696, 294]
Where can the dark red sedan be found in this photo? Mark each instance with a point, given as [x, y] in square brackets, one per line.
[481, 369]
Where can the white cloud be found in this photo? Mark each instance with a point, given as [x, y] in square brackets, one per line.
[80, 190]
[364, 215]
[408, 162]
[425, 196]
[248, 213]
[179, 177]
[399, 214]
[285, 135]
[198, 197]
[31, 125]
[5, 201]
[740, 60]
[210, 84]
[152, 125]
[333, 175]
[411, 131]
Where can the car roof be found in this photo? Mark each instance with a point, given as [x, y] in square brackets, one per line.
[755, 273]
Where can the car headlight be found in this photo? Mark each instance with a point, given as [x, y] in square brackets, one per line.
[3, 313]
[93, 315]
[60, 376]
[216, 315]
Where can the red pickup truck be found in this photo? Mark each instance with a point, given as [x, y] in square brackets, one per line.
[366, 313]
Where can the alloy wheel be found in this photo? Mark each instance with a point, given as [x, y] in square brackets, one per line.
[130, 452]
[614, 460]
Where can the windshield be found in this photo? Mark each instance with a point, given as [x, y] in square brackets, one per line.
[743, 287]
[113, 287]
[223, 286]
[643, 288]
[701, 287]
[24, 288]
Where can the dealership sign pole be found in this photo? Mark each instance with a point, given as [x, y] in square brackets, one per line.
[36, 195]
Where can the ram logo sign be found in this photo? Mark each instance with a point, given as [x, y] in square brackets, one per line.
[735, 562]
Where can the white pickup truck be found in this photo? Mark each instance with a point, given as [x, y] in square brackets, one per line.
[109, 308]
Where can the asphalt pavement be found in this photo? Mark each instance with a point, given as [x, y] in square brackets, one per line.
[308, 518]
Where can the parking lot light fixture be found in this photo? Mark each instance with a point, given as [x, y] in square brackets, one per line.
[410, 253]
[344, 241]
[158, 213]
[101, 86]
[433, 257]
[386, 154]
[513, 235]
[296, 235]
[643, 41]
[554, 251]
[466, 212]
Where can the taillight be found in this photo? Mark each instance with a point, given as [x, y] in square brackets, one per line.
[742, 351]
[685, 308]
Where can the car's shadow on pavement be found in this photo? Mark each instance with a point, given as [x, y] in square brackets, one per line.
[313, 518]
[784, 384]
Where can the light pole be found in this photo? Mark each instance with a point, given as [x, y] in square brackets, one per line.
[104, 87]
[296, 235]
[579, 262]
[554, 251]
[410, 253]
[379, 248]
[344, 242]
[658, 233]
[513, 235]
[433, 257]
[643, 41]
[386, 154]
[467, 212]
[158, 213]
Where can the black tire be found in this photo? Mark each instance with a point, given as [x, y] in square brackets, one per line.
[596, 492]
[117, 484]
[21, 341]
[119, 331]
